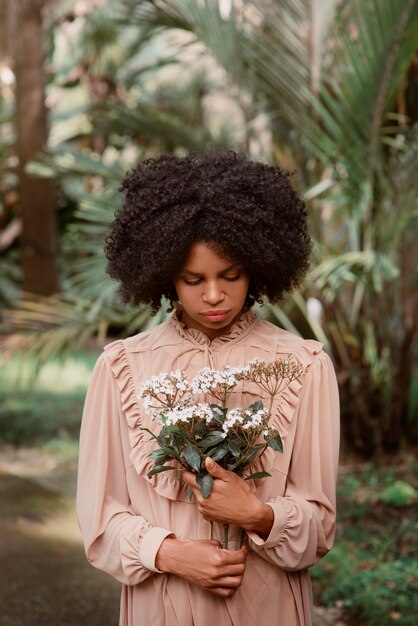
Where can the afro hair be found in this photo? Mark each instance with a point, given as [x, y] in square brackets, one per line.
[245, 209]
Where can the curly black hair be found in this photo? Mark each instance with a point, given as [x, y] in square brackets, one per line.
[245, 209]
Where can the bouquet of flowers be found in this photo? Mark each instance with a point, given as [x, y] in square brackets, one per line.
[192, 430]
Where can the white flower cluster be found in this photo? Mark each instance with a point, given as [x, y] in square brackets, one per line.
[164, 388]
[148, 406]
[208, 380]
[165, 383]
[186, 414]
[244, 419]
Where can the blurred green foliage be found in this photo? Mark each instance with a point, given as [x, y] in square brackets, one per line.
[49, 413]
[399, 493]
[372, 571]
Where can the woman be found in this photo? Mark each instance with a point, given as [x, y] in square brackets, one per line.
[212, 233]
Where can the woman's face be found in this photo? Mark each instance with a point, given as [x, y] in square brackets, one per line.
[212, 290]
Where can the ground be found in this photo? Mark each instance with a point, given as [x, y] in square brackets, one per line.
[45, 579]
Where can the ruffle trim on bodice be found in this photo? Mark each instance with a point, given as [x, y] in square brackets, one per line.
[286, 406]
[166, 484]
[169, 484]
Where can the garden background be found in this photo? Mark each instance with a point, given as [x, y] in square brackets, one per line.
[325, 88]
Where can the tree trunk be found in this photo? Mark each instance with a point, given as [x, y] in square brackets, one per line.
[39, 236]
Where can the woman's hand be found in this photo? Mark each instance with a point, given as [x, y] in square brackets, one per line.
[204, 564]
[231, 501]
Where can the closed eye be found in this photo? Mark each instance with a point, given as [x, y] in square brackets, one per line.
[192, 282]
[199, 280]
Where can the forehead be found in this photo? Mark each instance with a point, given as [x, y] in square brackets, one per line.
[203, 256]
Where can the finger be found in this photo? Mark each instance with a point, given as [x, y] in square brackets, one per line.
[235, 556]
[224, 592]
[216, 470]
[227, 581]
[237, 569]
[190, 479]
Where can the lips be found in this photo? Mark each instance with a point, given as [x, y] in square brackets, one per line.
[216, 315]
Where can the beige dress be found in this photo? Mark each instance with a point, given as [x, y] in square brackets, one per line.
[124, 516]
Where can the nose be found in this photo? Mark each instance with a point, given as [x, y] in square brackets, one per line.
[213, 293]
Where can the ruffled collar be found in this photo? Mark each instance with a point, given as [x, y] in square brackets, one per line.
[239, 329]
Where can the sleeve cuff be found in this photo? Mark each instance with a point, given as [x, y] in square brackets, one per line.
[150, 544]
[279, 523]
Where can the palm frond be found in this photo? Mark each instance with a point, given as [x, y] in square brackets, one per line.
[10, 278]
[44, 328]
[263, 46]
[67, 160]
[150, 124]
[372, 46]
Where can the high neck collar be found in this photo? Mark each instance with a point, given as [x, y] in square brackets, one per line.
[237, 330]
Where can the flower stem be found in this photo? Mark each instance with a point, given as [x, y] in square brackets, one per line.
[226, 533]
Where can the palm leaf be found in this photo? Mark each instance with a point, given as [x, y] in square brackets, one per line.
[146, 122]
[43, 328]
[263, 46]
[68, 160]
[374, 43]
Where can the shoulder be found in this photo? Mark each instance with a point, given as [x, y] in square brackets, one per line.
[158, 336]
[286, 343]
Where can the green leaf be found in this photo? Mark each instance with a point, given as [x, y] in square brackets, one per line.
[257, 475]
[218, 414]
[162, 455]
[256, 406]
[206, 486]
[159, 457]
[201, 429]
[235, 446]
[160, 468]
[180, 438]
[218, 409]
[162, 417]
[212, 439]
[164, 437]
[251, 454]
[192, 456]
[275, 443]
[218, 453]
[151, 433]
[205, 482]
[176, 448]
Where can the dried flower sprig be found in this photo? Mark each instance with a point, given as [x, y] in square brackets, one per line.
[192, 430]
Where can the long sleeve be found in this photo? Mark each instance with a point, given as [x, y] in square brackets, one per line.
[117, 541]
[304, 518]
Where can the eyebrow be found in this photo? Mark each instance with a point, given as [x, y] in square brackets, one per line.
[224, 271]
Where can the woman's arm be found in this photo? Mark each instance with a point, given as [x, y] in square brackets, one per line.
[116, 539]
[296, 530]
